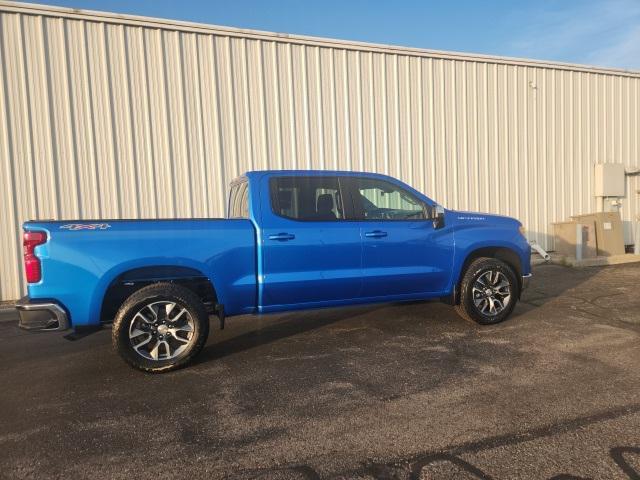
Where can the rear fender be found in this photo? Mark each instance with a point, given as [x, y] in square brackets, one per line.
[110, 276]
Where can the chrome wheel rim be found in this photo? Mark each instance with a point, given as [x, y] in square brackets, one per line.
[491, 292]
[161, 331]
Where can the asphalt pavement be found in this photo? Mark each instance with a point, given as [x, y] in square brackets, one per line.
[385, 391]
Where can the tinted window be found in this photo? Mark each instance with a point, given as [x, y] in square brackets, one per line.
[380, 200]
[239, 200]
[307, 198]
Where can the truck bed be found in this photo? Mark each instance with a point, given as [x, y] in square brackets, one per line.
[82, 258]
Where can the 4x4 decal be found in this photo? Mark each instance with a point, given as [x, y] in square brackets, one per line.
[85, 226]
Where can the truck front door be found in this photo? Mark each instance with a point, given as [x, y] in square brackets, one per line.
[403, 254]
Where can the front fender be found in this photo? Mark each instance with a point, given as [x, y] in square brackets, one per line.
[470, 240]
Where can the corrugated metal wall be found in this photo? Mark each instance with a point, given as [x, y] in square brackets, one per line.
[105, 116]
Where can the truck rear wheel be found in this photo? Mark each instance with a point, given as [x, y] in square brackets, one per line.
[488, 291]
[160, 327]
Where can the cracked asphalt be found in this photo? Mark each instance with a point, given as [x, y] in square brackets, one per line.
[386, 391]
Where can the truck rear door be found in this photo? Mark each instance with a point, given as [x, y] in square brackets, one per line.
[310, 252]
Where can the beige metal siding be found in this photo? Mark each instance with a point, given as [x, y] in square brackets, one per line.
[105, 116]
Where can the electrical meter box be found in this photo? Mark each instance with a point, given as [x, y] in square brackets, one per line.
[609, 180]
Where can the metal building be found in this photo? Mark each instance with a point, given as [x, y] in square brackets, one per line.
[112, 116]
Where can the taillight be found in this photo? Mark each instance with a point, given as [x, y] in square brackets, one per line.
[30, 240]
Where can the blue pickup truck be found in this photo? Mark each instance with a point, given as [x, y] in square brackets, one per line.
[292, 240]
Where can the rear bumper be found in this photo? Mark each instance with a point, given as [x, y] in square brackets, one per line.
[41, 316]
[526, 280]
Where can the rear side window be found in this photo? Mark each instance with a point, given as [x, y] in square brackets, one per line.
[239, 200]
[307, 198]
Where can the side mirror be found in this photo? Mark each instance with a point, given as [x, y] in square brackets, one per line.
[438, 217]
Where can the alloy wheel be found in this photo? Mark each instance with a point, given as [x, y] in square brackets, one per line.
[491, 292]
[161, 331]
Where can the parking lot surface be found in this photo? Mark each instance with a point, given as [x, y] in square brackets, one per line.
[386, 391]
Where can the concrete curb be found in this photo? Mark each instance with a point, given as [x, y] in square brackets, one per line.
[7, 306]
[587, 262]
[601, 261]
[8, 314]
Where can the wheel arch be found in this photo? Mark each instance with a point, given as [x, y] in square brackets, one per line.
[124, 283]
[506, 254]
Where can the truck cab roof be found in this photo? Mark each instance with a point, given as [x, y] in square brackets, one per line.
[304, 173]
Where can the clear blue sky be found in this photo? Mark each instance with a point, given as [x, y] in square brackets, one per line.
[602, 32]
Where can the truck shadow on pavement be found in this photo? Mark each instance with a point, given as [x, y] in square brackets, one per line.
[287, 325]
[551, 282]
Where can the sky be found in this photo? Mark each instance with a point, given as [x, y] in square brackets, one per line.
[595, 32]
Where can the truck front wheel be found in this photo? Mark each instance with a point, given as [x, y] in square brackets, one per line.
[488, 291]
[160, 327]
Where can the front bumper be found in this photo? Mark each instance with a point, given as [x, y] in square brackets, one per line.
[526, 280]
[41, 316]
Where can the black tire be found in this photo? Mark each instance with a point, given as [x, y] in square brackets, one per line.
[194, 317]
[479, 268]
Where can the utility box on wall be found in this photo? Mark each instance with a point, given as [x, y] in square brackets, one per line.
[609, 180]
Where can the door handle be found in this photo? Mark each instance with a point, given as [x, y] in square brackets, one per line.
[376, 234]
[283, 237]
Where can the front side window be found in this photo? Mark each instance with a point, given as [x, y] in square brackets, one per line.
[307, 198]
[239, 200]
[381, 200]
